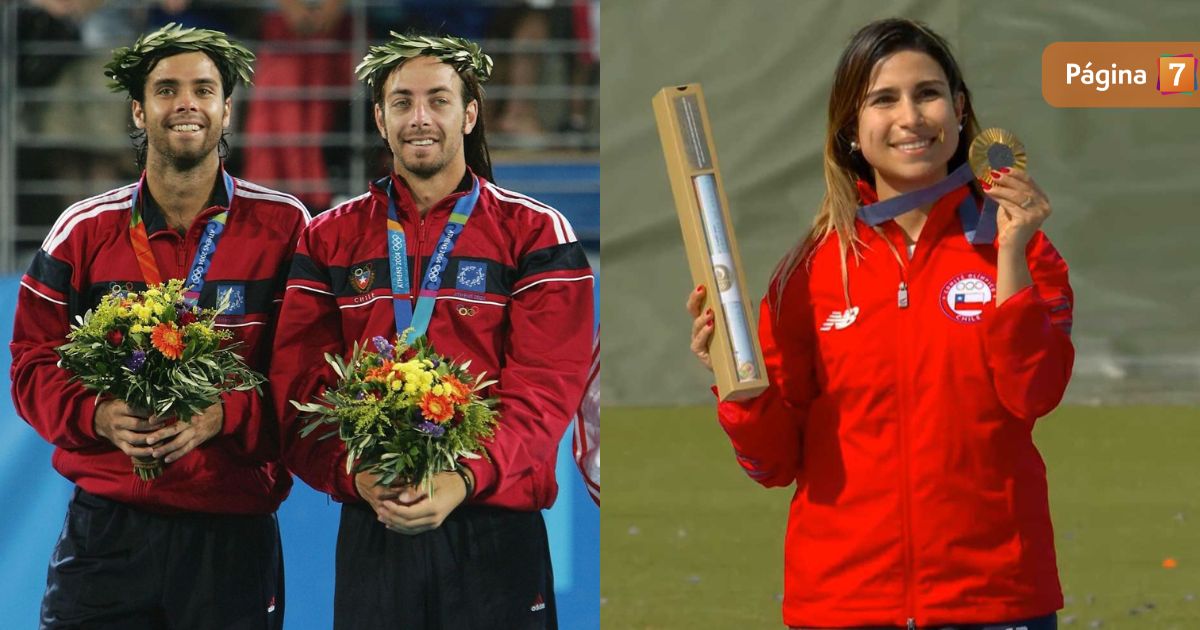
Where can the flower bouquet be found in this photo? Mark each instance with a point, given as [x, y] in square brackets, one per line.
[157, 353]
[404, 412]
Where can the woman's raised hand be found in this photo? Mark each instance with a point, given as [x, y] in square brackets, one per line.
[702, 326]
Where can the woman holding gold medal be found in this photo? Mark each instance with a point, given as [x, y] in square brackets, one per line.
[912, 339]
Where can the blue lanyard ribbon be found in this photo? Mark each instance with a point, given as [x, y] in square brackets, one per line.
[406, 316]
[194, 281]
[978, 226]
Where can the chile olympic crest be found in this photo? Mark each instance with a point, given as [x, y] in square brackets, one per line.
[965, 295]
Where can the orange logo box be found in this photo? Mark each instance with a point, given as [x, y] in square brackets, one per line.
[1121, 74]
[1176, 74]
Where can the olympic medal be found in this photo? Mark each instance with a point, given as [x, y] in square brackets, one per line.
[994, 149]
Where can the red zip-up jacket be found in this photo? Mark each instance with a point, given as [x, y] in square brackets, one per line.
[516, 300]
[86, 255]
[921, 499]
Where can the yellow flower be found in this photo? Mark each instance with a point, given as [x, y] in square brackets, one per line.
[158, 309]
[397, 385]
[410, 388]
[438, 390]
[200, 330]
[153, 293]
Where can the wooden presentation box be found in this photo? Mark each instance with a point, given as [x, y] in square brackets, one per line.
[712, 250]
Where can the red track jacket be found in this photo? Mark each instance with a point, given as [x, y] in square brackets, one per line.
[86, 254]
[920, 495]
[529, 325]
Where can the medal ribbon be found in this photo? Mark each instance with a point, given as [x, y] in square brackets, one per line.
[418, 318]
[978, 226]
[194, 281]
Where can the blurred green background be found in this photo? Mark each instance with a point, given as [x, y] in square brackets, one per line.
[687, 540]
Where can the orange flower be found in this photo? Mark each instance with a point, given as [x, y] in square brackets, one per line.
[459, 392]
[437, 408]
[168, 340]
[379, 374]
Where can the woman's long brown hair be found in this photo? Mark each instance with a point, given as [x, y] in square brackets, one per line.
[851, 80]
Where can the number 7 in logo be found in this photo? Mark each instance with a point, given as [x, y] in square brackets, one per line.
[1177, 74]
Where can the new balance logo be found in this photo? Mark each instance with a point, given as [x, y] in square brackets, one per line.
[538, 604]
[840, 319]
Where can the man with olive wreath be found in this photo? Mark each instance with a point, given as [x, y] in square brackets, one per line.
[197, 547]
[514, 297]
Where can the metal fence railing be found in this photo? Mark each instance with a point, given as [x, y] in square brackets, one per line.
[40, 168]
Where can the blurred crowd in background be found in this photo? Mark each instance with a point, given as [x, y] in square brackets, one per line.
[305, 126]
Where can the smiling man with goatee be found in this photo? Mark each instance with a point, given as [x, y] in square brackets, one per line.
[488, 276]
[198, 546]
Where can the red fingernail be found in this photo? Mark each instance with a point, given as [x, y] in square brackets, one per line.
[708, 312]
[709, 324]
[698, 287]
[1004, 169]
[986, 186]
[995, 174]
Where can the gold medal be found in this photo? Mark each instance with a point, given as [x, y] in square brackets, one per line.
[994, 149]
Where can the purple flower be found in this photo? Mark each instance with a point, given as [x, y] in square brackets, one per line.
[361, 395]
[385, 349]
[430, 428]
[136, 361]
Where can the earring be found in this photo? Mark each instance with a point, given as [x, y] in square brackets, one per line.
[960, 126]
[853, 146]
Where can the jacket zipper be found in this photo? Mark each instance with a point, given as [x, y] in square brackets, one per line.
[902, 289]
[417, 272]
[902, 352]
[417, 262]
[905, 477]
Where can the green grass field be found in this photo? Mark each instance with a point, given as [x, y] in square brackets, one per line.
[688, 541]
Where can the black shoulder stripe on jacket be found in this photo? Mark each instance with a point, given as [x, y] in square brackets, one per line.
[462, 275]
[358, 278]
[468, 276]
[303, 268]
[564, 257]
[51, 272]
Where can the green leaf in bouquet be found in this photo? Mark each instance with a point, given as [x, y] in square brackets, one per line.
[482, 384]
[181, 377]
[339, 367]
[191, 349]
